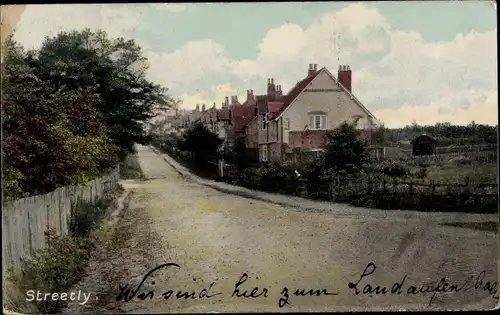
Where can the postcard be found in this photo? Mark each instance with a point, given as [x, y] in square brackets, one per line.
[250, 157]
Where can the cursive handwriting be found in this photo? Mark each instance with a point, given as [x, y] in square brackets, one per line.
[127, 294]
[253, 294]
[284, 299]
[443, 286]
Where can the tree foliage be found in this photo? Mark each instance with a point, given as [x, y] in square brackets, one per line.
[72, 109]
[202, 144]
[345, 152]
[447, 134]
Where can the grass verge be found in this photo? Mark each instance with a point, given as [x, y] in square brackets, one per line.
[61, 263]
[482, 226]
[130, 168]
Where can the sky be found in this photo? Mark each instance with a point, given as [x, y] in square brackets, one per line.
[424, 62]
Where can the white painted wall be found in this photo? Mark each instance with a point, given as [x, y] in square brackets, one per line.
[337, 104]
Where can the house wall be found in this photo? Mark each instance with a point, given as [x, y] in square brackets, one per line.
[308, 140]
[270, 134]
[323, 94]
[252, 134]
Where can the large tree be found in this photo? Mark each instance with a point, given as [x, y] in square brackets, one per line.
[51, 137]
[72, 109]
[117, 69]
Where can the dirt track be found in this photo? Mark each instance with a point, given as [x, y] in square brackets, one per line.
[216, 237]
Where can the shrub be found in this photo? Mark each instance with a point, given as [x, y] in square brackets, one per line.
[392, 169]
[55, 268]
[85, 215]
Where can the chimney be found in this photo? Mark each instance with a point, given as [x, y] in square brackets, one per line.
[203, 107]
[271, 88]
[279, 92]
[235, 99]
[345, 77]
[312, 69]
[197, 107]
[226, 101]
[250, 95]
[214, 105]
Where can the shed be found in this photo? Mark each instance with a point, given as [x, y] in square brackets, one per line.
[423, 145]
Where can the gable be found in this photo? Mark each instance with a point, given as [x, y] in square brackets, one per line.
[324, 81]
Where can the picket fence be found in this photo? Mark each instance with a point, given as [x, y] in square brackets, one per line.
[25, 221]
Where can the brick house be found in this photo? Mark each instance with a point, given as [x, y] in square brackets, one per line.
[301, 118]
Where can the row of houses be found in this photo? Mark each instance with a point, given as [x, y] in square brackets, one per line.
[274, 124]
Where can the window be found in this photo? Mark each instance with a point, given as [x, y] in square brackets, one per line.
[287, 123]
[317, 122]
[264, 153]
[317, 153]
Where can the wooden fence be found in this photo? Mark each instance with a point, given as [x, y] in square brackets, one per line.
[25, 220]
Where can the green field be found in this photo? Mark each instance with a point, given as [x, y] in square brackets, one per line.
[481, 173]
[484, 173]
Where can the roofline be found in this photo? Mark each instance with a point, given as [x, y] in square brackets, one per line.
[315, 75]
[351, 95]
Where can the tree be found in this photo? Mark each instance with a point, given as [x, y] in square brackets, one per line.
[345, 152]
[202, 144]
[116, 68]
[72, 109]
[239, 154]
[378, 136]
[51, 137]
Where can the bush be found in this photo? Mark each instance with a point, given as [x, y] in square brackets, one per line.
[392, 169]
[85, 215]
[61, 263]
[54, 269]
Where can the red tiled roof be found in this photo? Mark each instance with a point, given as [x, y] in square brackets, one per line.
[295, 91]
[223, 114]
[240, 116]
[275, 107]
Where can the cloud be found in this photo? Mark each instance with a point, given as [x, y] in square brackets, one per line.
[483, 109]
[39, 21]
[394, 72]
[193, 61]
[216, 94]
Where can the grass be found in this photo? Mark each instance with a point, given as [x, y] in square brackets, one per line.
[482, 226]
[479, 173]
[62, 263]
[130, 168]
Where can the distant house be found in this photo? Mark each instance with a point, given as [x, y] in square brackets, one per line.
[423, 145]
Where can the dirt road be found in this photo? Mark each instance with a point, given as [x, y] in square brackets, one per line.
[216, 239]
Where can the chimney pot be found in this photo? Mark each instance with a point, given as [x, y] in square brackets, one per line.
[272, 80]
[236, 98]
[345, 77]
[315, 67]
[268, 81]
